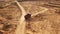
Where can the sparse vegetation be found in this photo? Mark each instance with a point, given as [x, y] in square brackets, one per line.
[1, 32]
[6, 27]
[41, 22]
[57, 11]
[1, 7]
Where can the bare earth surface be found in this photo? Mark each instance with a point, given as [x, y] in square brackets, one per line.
[44, 23]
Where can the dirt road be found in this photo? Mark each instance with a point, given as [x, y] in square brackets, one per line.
[21, 26]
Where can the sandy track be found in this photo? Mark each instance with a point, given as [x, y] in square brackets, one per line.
[20, 28]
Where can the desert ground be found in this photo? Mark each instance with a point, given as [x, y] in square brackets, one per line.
[47, 22]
